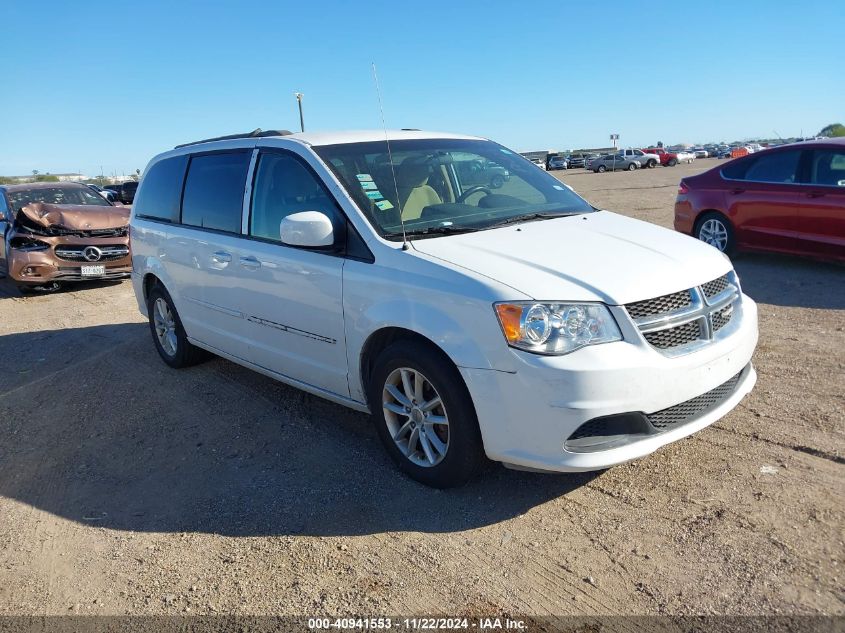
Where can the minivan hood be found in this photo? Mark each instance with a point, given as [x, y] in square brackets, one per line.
[599, 256]
[76, 217]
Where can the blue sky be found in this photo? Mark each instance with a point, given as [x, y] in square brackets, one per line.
[113, 83]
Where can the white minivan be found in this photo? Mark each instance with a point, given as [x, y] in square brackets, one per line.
[516, 322]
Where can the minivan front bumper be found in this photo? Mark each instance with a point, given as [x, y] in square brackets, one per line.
[526, 417]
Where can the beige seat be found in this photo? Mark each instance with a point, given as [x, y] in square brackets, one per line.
[415, 194]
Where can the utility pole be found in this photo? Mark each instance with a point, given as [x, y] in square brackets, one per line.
[299, 96]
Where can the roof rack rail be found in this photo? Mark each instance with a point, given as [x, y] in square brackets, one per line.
[256, 133]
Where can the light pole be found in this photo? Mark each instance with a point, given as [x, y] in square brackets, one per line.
[299, 96]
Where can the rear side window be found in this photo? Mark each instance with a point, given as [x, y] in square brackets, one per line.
[284, 185]
[159, 197]
[214, 190]
[828, 168]
[777, 167]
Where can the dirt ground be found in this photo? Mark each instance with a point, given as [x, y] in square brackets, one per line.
[128, 487]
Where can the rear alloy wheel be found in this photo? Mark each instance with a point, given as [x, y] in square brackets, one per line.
[651, 164]
[601, 169]
[632, 167]
[715, 230]
[673, 162]
[168, 334]
[424, 415]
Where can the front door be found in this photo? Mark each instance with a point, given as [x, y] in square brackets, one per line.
[292, 298]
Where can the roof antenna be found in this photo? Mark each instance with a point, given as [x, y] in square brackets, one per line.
[390, 158]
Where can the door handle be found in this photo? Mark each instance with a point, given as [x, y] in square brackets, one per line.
[250, 262]
[815, 194]
[221, 257]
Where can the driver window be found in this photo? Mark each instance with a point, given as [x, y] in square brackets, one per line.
[284, 185]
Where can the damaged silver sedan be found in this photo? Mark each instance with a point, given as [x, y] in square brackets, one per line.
[61, 232]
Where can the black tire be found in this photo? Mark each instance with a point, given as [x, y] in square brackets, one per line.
[730, 244]
[464, 452]
[601, 169]
[186, 354]
[632, 167]
[651, 164]
[497, 181]
[673, 162]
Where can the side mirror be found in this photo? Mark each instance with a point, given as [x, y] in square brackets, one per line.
[308, 229]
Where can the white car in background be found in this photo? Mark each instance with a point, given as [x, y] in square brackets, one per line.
[539, 162]
[519, 323]
[685, 156]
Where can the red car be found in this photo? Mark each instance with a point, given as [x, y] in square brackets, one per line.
[787, 199]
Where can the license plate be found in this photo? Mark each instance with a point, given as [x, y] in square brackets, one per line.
[93, 271]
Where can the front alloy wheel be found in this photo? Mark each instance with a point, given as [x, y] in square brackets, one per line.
[415, 416]
[424, 414]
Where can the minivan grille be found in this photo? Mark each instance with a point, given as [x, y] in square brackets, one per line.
[660, 305]
[677, 323]
[675, 336]
[722, 317]
[715, 287]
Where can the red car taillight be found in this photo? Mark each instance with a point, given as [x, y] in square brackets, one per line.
[682, 188]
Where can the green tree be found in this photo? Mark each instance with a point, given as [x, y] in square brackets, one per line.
[834, 129]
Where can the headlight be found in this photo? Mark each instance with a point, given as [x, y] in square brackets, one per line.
[28, 245]
[556, 328]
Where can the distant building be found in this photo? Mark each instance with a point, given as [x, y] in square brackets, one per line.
[61, 177]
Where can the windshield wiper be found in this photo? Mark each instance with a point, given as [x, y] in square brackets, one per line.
[527, 217]
[436, 230]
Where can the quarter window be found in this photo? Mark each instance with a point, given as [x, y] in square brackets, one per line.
[828, 168]
[159, 197]
[284, 185]
[777, 167]
[214, 191]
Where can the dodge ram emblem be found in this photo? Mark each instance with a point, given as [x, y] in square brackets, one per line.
[92, 254]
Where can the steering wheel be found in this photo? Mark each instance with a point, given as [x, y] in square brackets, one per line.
[466, 194]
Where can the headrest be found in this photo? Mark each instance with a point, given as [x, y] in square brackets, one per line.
[411, 174]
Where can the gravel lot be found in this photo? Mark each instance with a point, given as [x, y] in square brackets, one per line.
[127, 487]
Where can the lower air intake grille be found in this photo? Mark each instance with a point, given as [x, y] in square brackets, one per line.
[684, 412]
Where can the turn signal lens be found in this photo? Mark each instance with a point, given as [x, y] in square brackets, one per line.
[509, 317]
[682, 188]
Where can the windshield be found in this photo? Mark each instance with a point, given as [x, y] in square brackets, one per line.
[56, 195]
[446, 185]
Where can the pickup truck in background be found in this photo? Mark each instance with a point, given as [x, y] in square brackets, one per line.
[667, 159]
[638, 155]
